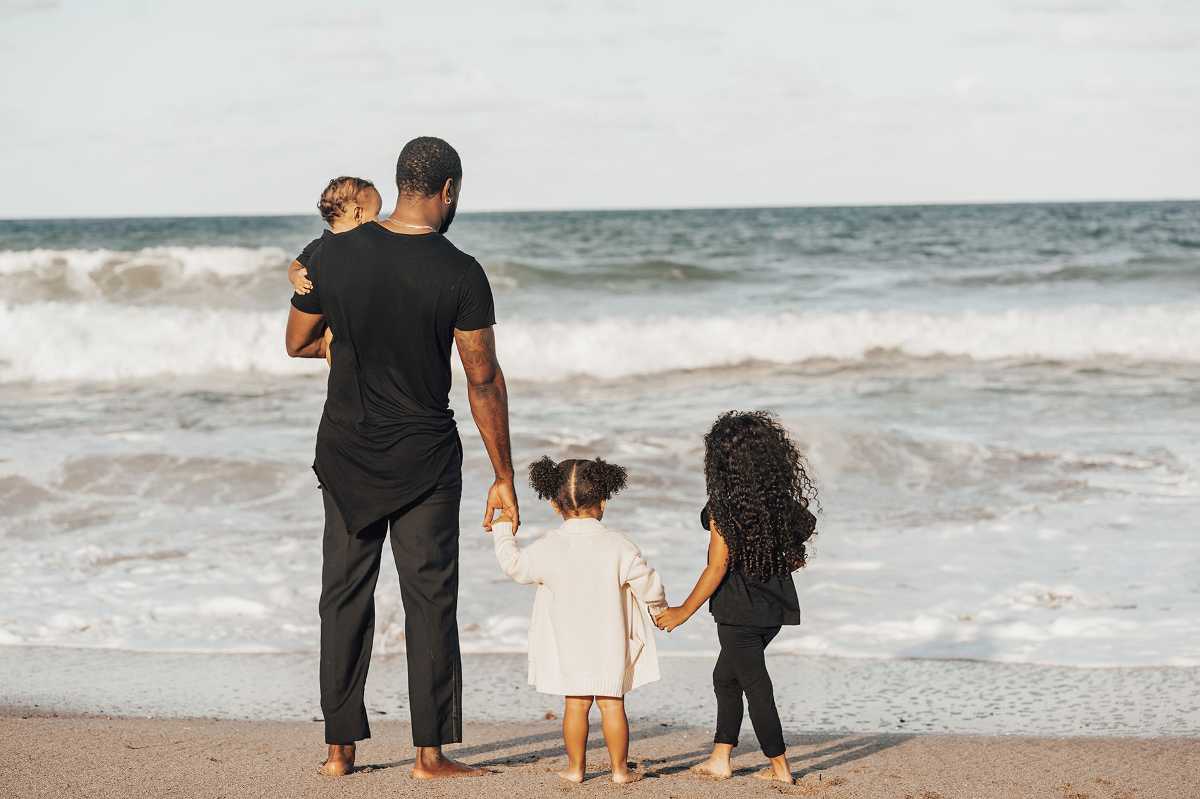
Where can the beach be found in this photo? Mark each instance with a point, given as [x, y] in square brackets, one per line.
[997, 404]
[100, 723]
[82, 756]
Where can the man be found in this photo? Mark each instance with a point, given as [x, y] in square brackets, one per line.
[388, 454]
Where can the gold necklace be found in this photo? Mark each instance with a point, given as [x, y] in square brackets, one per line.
[395, 221]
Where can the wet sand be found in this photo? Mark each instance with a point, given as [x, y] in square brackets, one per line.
[813, 693]
[82, 756]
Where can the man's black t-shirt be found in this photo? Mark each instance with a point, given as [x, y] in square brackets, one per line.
[306, 254]
[748, 601]
[393, 302]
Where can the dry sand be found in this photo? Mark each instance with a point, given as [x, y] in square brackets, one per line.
[71, 756]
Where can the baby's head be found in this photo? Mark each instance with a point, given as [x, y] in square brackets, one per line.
[576, 488]
[348, 202]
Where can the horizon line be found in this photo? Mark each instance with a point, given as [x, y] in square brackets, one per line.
[628, 209]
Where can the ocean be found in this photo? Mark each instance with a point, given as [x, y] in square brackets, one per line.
[1000, 404]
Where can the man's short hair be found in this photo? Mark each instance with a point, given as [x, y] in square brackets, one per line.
[424, 166]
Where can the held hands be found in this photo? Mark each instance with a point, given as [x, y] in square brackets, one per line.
[502, 498]
[671, 618]
[298, 277]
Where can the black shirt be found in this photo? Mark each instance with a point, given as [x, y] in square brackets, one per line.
[750, 602]
[312, 246]
[393, 302]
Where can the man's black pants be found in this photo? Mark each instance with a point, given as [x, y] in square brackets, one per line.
[425, 545]
[742, 669]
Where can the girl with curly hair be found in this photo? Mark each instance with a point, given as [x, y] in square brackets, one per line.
[591, 637]
[758, 520]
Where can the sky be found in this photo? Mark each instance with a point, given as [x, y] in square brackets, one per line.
[167, 108]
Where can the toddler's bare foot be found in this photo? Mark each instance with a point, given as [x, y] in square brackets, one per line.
[776, 774]
[626, 776]
[340, 761]
[714, 769]
[574, 775]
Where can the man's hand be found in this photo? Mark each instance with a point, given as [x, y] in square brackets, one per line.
[298, 277]
[502, 497]
[671, 618]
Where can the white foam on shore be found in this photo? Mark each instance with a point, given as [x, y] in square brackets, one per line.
[191, 262]
[105, 342]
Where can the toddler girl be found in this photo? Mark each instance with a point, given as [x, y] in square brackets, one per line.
[758, 521]
[590, 638]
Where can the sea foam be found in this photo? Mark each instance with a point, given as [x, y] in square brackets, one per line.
[56, 341]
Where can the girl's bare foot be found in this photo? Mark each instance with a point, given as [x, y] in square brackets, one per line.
[340, 761]
[715, 768]
[433, 765]
[572, 775]
[626, 776]
[776, 773]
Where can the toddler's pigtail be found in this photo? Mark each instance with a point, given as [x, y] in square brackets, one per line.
[610, 477]
[545, 478]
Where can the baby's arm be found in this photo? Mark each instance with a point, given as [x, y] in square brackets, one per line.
[645, 583]
[516, 563]
[709, 580]
[298, 276]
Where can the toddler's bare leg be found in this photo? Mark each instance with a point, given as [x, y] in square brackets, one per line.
[616, 737]
[575, 735]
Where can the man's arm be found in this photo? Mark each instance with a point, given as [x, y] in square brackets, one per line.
[305, 337]
[489, 406]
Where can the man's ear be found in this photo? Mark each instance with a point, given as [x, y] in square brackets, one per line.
[448, 191]
[358, 214]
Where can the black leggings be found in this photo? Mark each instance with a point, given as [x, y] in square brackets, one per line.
[742, 668]
[425, 546]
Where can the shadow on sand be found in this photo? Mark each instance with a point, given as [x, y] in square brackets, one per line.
[837, 749]
[832, 750]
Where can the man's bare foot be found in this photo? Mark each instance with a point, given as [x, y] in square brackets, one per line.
[340, 761]
[574, 775]
[626, 776]
[431, 764]
[714, 769]
[774, 773]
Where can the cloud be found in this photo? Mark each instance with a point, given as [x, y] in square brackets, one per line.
[17, 8]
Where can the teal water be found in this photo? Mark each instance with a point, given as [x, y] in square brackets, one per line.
[999, 403]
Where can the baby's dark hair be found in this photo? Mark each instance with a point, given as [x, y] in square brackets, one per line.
[759, 493]
[575, 484]
[340, 192]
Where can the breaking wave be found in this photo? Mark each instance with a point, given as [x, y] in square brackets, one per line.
[53, 341]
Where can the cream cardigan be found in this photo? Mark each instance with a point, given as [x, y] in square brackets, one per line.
[590, 634]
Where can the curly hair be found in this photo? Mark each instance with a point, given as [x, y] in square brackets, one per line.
[424, 166]
[576, 484]
[340, 192]
[759, 493]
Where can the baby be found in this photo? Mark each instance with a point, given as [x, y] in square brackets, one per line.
[344, 205]
[591, 638]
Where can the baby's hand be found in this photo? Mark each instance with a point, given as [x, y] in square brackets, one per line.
[298, 276]
[671, 618]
